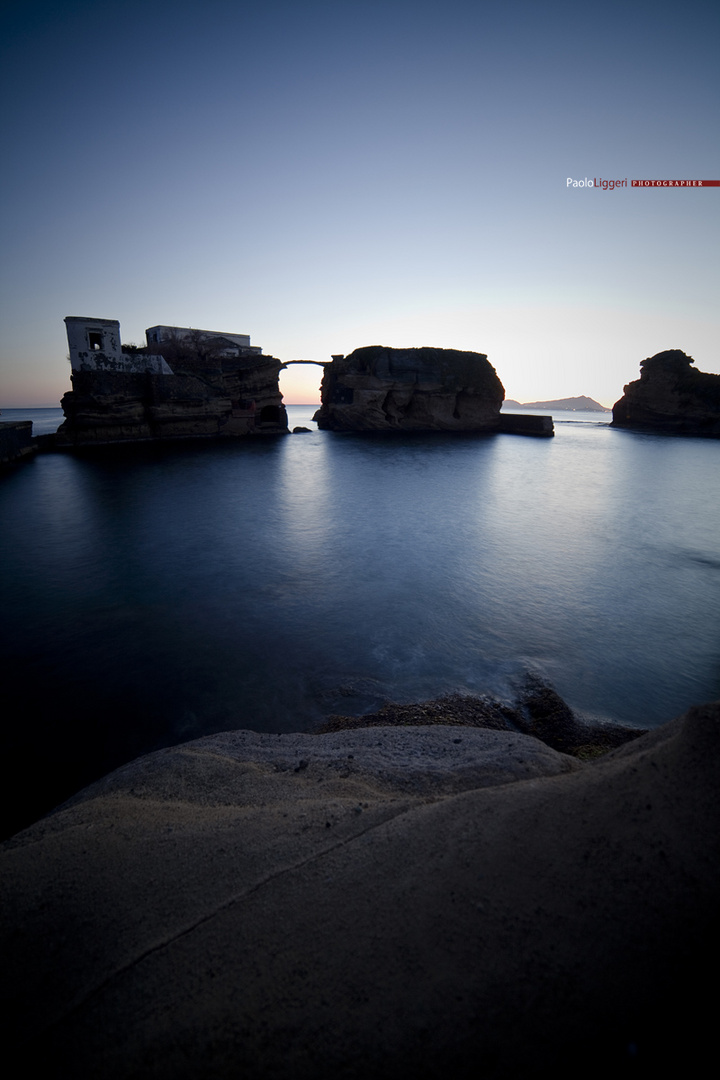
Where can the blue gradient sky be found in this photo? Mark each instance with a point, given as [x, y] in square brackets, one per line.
[332, 174]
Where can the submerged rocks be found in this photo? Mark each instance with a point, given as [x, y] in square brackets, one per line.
[671, 396]
[538, 711]
[382, 389]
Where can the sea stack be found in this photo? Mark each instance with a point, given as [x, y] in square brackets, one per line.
[184, 383]
[382, 389]
[671, 396]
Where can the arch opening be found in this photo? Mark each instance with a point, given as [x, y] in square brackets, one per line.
[300, 384]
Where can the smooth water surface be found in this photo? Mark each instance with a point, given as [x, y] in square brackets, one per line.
[155, 594]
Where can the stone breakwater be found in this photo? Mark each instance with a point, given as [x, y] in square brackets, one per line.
[386, 902]
[16, 441]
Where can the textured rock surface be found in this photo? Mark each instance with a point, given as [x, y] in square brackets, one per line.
[381, 903]
[671, 396]
[539, 711]
[204, 397]
[383, 389]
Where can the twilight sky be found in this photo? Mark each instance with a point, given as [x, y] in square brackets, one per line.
[333, 173]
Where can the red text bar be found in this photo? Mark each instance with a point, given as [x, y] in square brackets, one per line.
[675, 183]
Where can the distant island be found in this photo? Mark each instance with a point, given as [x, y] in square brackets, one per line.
[570, 404]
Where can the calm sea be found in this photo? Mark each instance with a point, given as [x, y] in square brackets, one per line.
[158, 593]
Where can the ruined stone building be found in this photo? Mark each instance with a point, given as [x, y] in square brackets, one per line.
[184, 383]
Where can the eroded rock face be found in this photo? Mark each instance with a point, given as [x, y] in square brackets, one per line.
[671, 395]
[383, 389]
[218, 397]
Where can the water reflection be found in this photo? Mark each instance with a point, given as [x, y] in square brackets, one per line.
[163, 593]
[306, 525]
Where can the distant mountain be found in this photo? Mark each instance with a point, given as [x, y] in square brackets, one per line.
[571, 404]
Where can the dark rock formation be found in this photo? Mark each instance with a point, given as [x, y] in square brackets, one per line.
[539, 711]
[16, 441]
[205, 396]
[383, 389]
[386, 903]
[671, 396]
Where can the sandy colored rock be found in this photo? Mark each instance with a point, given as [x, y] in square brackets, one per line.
[384, 903]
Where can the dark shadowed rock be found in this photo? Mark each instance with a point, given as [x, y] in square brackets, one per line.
[539, 711]
[16, 441]
[211, 397]
[671, 396]
[425, 902]
[383, 389]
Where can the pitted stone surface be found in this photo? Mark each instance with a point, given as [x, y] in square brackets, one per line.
[430, 761]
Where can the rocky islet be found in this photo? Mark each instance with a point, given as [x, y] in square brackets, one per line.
[382, 389]
[671, 396]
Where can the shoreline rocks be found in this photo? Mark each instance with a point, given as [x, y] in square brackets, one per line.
[539, 711]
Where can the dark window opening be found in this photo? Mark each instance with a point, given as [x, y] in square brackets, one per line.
[95, 340]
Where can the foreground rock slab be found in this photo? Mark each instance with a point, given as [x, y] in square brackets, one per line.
[370, 903]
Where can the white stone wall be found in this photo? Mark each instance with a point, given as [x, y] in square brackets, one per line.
[154, 365]
[95, 346]
[94, 343]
